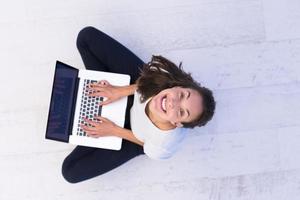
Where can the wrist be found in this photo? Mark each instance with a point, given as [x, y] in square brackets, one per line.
[117, 131]
[128, 89]
[127, 135]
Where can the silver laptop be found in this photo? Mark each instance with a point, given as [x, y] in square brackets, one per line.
[69, 103]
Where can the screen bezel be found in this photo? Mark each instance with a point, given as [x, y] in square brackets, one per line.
[63, 137]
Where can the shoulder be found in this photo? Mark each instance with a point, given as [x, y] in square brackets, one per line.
[156, 152]
[166, 147]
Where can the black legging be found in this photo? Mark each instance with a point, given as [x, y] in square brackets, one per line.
[102, 53]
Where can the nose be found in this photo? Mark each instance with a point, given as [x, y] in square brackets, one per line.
[173, 103]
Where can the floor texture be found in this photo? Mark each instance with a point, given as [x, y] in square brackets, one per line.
[246, 51]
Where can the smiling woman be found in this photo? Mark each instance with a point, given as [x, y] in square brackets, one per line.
[174, 107]
[187, 103]
[163, 103]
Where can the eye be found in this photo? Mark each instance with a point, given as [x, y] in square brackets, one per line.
[181, 95]
[181, 112]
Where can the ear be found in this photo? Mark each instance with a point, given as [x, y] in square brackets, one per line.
[178, 124]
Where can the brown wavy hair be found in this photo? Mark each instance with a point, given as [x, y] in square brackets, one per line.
[160, 73]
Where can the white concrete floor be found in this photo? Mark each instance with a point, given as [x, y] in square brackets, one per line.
[246, 51]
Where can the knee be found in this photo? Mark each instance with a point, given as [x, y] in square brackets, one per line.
[84, 35]
[67, 173]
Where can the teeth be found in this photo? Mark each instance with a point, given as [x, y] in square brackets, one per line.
[164, 104]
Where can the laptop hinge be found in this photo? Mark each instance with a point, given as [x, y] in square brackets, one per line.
[74, 105]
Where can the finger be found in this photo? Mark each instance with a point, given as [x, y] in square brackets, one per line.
[90, 91]
[92, 87]
[85, 118]
[98, 86]
[103, 82]
[93, 123]
[88, 128]
[95, 89]
[95, 85]
[92, 134]
[101, 118]
[101, 94]
[105, 102]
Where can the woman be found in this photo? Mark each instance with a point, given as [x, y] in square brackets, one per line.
[163, 102]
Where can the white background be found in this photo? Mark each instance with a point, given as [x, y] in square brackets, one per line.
[246, 51]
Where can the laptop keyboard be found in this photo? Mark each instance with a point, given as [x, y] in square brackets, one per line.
[89, 107]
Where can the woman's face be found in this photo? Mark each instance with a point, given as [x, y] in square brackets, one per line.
[176, 105]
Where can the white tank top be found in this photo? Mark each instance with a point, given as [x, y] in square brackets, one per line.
[158, 144]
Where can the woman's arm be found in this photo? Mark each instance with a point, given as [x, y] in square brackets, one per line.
[105, 127]
[127, 135]
[128, 90]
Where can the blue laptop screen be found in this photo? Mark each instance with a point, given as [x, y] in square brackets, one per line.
[62, 102]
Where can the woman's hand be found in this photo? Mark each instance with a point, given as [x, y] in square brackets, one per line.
[104, 89]
[104, 127]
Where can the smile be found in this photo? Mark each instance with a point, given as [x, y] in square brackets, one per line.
[163, 104]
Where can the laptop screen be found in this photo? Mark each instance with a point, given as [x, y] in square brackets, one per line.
[62, 102]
